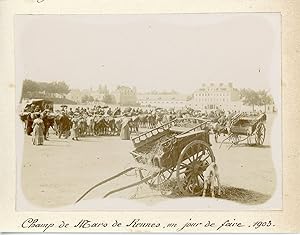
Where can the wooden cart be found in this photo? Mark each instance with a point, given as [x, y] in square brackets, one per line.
[247, 128]
[179, 149]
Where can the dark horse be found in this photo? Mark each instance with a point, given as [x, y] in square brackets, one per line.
[101, 126]
[64, 125]
[48, 122]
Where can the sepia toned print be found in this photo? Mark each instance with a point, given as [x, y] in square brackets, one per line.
[148, 108]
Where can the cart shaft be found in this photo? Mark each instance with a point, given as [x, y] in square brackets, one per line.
[105, 181]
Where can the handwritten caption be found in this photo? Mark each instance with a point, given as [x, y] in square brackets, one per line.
[35, 224]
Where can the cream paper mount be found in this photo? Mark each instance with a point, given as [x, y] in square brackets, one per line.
[146, 46]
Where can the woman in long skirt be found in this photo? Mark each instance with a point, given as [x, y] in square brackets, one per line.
[38, 131]
[74, 129]
[125, 131]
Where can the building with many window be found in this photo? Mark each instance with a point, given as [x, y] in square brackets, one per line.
[216, 96]
[163, 100]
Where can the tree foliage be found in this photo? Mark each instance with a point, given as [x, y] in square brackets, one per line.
[87, 98]
[30, 87]
[109, 99]
[251, 97]
[264, 98]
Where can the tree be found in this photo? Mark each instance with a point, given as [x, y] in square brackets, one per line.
[250, 97]
[85, 99]
[108, 99]
[32, 89]
[264, 98]
[91, 99]
[61, 88]
[29, 86]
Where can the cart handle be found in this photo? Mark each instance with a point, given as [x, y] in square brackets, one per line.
[104, 181]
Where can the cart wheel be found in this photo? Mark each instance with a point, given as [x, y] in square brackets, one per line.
[192, 162]
[260, 134]
[160, 178]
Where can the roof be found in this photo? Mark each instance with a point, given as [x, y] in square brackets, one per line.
[40, 100]
[162, 97]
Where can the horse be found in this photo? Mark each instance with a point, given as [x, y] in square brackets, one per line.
[82, 127]
[111, 122]
[118, 124]
[151, 120]
[49, 121]
[101, 126]
[64, 125]
[134, 124]
[143, 118]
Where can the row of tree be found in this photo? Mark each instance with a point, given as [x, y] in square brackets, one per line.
[259, 98]
[31, 87]
[107, 99]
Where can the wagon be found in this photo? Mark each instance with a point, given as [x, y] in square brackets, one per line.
[222, 128]
[248, 128]
[42, 103]
[179, 149]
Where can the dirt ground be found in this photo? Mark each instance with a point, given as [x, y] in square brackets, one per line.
[57, 173]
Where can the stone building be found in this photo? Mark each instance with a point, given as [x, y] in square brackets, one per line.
[216, 96]
[163, 100]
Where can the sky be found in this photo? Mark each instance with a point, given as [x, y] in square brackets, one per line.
[151, 52]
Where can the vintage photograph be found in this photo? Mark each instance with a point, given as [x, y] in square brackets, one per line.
[148, 111]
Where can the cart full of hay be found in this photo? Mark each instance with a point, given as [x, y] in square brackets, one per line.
[177, 151]
[248, 128]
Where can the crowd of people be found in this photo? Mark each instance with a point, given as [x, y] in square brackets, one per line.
[103, 120]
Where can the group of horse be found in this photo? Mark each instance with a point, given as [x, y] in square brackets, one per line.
[96, 125]
[108, 124]
[103, 124]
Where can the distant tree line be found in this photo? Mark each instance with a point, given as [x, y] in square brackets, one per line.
[31, 88]
[107, 99]
[260, 98]
[87, 99]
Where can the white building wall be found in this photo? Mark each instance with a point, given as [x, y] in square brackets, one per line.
[216, 96]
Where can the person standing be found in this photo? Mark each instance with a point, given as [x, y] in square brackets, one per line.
[29, 123]
[38, 130]
[125, 130]
[47, 123]
[75, 129]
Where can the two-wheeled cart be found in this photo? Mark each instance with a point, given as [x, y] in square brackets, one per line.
[248, 128]
[179, 148]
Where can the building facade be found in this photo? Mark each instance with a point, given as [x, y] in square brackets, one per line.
[216, 96]
[125, 95]
[163, 100]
